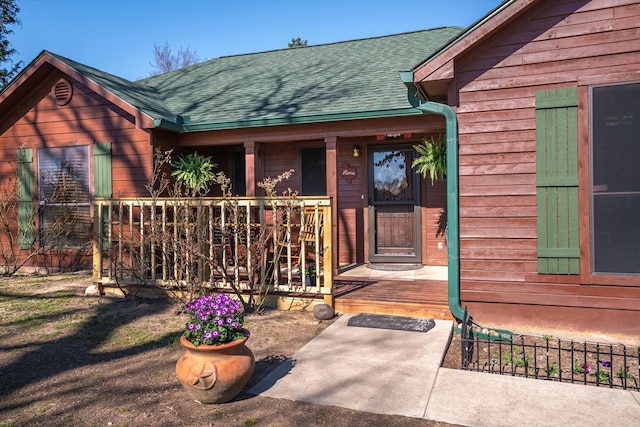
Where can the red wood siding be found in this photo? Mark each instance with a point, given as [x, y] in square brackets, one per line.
[279, 158]
[353, 199]
[434, 202]
[555, 44]
[278, 148]
[87, 119]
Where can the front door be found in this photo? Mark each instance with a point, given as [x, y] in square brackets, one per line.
[394, 206]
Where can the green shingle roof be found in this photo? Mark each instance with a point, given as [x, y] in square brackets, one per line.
[334, 81]
[138, 95]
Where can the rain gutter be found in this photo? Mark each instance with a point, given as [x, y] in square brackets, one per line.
[182, 126]
[453, 231]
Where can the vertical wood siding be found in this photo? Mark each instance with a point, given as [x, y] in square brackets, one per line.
[351, 204]
[557, 181]
[434, 202]
[102, 170]
[26, 179]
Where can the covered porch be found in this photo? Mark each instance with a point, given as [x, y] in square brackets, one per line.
[252, 246]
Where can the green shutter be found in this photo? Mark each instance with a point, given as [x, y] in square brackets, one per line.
[102, 170]
[557, 181]
[102, 187]
[26, 220]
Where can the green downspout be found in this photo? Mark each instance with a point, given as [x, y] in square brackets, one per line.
[453, 232]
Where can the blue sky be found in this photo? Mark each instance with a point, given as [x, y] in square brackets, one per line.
[117, 36]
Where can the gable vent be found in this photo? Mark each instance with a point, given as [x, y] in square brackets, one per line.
[62, 92]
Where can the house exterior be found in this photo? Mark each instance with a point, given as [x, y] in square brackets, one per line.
[538, 101]
[547, 100]
[337, 114]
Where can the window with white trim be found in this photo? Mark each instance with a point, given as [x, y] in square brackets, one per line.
[64, 196]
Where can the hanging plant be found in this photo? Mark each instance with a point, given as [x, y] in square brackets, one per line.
[194, 171]
[432, 158]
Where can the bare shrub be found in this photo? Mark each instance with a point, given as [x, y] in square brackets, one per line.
[191, 244]
[62, 242]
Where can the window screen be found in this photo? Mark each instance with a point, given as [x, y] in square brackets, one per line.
[64, 196]
[616, 178]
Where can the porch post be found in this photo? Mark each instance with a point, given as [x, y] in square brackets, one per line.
[250, 167]
[332, 191]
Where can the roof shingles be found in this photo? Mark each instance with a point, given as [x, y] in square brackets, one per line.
[332, 79]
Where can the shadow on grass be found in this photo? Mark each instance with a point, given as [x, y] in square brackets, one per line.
[271, 368]
[47, 357]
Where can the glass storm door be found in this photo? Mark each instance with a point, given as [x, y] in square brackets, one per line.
[394, 206]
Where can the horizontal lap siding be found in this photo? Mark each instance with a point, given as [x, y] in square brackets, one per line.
[87, 119]
[553, 45]
[279, 158]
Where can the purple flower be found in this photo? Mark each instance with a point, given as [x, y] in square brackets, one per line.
[605, 364]
[214, 319]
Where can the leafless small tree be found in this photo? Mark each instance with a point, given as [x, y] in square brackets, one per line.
[64, 241]
[164, 60]
[197, 245]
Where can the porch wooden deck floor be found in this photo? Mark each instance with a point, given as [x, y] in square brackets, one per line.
[417, 298]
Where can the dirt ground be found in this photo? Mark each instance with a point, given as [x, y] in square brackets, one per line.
[70, 360]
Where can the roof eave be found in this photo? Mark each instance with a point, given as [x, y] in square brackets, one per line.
[280, 121]
[143, 120]
[22, 76]
[439, 66]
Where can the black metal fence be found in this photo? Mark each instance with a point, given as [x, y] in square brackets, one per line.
[553, 359]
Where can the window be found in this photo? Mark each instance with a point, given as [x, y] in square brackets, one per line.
[64, 196]
[314, 172]
[615, 179]
[239, 184]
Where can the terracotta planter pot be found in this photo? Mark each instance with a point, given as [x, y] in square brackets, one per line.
[215, 373]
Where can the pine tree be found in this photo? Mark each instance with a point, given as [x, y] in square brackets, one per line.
[8, 16]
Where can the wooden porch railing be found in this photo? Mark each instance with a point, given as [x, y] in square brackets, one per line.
[221, 243]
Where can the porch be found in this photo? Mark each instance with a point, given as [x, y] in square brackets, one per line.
[418, 293]
[251, 246]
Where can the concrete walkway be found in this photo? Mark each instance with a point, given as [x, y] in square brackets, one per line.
[398, 373]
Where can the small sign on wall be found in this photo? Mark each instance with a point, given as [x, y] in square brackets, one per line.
[349, 172]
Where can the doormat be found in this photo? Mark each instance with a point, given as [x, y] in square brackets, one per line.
[398, 323]
[394, 267]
